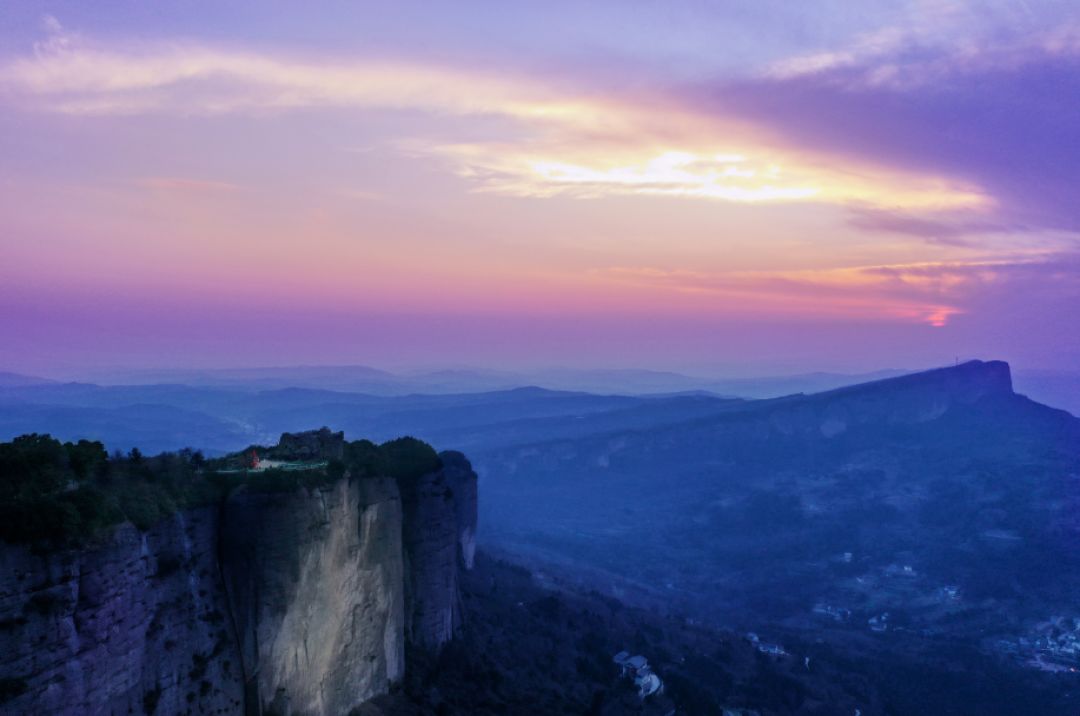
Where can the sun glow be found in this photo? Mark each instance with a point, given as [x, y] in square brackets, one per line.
[753, 175]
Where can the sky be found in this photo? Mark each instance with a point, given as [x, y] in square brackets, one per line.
[727, 188]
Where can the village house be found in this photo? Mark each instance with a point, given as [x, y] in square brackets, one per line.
[637, 668]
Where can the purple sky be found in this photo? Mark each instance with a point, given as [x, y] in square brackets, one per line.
[719, 187]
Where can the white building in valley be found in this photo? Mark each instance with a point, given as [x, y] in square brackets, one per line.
[637, 668]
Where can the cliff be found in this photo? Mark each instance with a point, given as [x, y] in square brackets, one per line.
[285, 601]
[135, 624]
[439, 537]
[315, 587]
[459, 473]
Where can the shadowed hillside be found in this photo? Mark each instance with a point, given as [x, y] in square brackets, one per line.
[901, 518]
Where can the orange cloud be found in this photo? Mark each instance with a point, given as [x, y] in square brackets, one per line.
[928, 293]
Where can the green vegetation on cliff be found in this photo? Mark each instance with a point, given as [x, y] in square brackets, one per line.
[55, 494]
[404, 458]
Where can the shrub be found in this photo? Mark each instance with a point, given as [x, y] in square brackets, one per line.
[408, 458]
[150, 700]
[10, 688]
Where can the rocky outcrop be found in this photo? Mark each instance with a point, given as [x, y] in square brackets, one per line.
[315, 585]
[135, 624]
[322, 444]
[462, 481]
[297, 602]
[439, 540]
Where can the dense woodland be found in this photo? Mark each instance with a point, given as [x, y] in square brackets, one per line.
[55, 494]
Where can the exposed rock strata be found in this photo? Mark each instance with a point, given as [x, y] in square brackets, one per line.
[133, 625]
[297, 603]
[315, 586]
[439, 540]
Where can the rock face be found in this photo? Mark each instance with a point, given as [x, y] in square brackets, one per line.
[462, 480]
[315, 582]
[134, 625]
[439, 539]
[296, 602]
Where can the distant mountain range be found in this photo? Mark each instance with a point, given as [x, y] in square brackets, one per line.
[373, 381]
[219, 411]
[1060, 388]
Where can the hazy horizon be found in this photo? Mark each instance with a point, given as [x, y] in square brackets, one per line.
[116, 373]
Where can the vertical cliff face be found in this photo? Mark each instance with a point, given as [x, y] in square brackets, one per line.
[315, 584]
[440, 540]
[288, 602]
[430, 540]
[133, 625]
[462, 482]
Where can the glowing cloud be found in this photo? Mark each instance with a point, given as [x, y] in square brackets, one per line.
[565, 142]
[756, 175]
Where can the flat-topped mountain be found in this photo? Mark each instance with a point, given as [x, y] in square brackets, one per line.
[971, 378]
[290, 579]
[914, 398]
